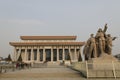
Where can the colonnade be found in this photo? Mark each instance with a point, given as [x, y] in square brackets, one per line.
[47, 53]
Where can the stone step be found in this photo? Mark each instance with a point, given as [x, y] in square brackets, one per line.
[47, 65]
[42, 74]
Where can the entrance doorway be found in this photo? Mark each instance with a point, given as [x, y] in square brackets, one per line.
[48, 54]
[54, 54]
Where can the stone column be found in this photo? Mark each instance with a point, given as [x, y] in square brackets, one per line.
[32, 55]
[52, 54]
[15, 54]
[44, 55]
[57, 54]
[63, 53]
[25, 58]
[27, 55]
[38, 55]
[70, 53]
[76, 54]
[18, 54]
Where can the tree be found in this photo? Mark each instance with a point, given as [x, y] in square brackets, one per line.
[8, 58]
[20, 58]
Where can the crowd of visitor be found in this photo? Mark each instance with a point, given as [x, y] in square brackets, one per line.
[21, 65]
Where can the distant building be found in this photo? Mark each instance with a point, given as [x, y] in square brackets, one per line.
[117, 56]
[52, 49]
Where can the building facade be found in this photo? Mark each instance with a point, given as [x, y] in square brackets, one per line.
[40, 49]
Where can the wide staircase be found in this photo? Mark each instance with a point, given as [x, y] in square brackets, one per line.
[47, 65]
[46, 72]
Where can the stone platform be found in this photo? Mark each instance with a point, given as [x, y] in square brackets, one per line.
[104, 62]
[47, 73]
[106, 66]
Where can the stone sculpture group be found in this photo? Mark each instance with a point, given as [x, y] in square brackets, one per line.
[99, 44]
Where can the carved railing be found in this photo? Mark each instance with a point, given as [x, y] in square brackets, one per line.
[98, 70]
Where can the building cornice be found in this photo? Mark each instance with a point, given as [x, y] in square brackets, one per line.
[48, 37]
[46, 43]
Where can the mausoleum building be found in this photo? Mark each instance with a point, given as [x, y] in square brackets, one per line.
[40, 49]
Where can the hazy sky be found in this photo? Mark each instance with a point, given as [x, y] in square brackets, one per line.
[57, 17]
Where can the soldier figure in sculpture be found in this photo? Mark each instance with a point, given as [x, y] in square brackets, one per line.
[92, 47]
[101, 40]
[98, 45]
[109, 45]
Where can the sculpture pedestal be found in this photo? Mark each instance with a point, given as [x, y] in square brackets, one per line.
[103, 58]
[104, 62]
[104, 66]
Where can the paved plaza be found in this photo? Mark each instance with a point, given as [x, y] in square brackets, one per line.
[62, 73]
[42, 74]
